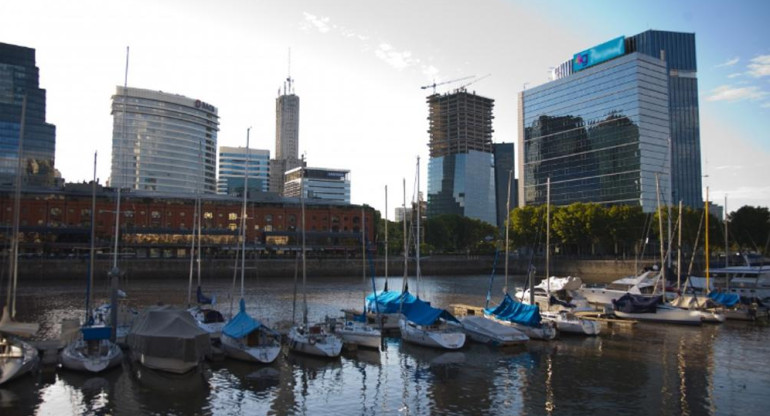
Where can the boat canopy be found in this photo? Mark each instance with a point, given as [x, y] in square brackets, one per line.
[163, 331]
[421, 313]
[726, 299]
[242, 324]
[388, 301]
[514, 311]
[630, 303]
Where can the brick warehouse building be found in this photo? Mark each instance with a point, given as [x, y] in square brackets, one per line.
[57, 223]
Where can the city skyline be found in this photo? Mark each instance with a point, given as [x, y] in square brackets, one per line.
[359, 71]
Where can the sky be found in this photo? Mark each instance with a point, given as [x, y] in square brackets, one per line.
[358, 68]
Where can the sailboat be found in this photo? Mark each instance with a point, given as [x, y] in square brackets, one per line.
[244, 337]
[356, 330]
[512, 313]
[93, 351]
[17, 357]
[313, 339]
[562, 315]
[421, 323]
[385, 306]
[208, 318]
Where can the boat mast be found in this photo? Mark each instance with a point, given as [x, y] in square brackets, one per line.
[706, 244]
[548, 240]
[89, 289]
[10, 303]
[304, 271]
[662, 277]
[405, 284]
[417, 231]
[386, 238]
[679, 252]
[727, 249]
[507, 227]
[243, 212]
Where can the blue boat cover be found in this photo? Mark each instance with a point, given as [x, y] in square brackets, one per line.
[387, 301]
[421, 313]
[514, 311]
[242, 324]
[95, 333]
[727, 299]
[203, 299]
[629, 303]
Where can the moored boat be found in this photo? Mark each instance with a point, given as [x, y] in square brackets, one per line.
[487, 331]
[653, 309]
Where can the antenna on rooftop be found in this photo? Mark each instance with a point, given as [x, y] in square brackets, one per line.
[287, 89]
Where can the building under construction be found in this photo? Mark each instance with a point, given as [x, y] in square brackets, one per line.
[461, 167]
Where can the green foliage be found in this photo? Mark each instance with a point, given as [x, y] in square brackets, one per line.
[750, 228]
[457, 234]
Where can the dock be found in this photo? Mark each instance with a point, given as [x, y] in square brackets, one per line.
[461, 309]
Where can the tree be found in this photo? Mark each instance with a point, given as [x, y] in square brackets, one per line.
[750, 227]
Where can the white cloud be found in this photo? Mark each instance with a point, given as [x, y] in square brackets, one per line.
[397, 59]
[729, 62]
[735, 75]
[760, 66]
[320, 23]
[732, 94]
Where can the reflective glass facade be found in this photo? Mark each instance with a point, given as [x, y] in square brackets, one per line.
[504, 163]
[19, 77]
[167, 144]
[232, 166]
[600, 135]
[462, 184]
[678, 51]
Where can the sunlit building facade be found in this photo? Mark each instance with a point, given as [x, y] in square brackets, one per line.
[232, 170]
[318, 183]
[19, 78]
[163, 142]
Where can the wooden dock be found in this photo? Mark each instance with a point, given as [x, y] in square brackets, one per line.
[461, 309]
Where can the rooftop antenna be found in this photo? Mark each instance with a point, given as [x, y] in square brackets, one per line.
[287, 85]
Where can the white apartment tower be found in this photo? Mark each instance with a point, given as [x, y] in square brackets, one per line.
[286, 136]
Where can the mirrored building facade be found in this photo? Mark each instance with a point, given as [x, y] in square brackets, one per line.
[163, 142]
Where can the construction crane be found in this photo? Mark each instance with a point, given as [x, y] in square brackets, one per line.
[434, 85]
[462, 87]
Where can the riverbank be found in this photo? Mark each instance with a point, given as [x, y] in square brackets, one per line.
[591, 271]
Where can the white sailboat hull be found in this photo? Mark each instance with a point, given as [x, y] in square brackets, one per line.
[487, 331]
[665, 314]
[360, 334]
[16, 358]
[238, 348]
[320, 344]
[77, 356]
[571, 324]
[389, 320]
[447, 338]
[544, 332]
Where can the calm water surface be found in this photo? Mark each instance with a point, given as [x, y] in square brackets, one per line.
[648, 369]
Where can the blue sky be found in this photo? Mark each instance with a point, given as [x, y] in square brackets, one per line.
[359, 65]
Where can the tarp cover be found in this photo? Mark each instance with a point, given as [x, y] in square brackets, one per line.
[630, 303]
[421, 313]
[242, 324]
[561, 283]
[514, 311]
[388, 301]
[167, 332]
[727, 299]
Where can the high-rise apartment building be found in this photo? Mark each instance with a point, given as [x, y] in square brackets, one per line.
[19, 77]
[232, 170]
[461, 166]
[615, 117]
[163, 142]
[286, 136]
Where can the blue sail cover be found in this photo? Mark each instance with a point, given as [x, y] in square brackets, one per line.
[203, 299]
[242, 324]
[514, 311]
[388, 301]
[726, 299]
[421, 313]
[629, 303]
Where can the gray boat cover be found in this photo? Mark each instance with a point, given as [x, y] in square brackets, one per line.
[168, 332]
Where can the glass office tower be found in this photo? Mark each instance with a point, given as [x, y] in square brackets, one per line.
[164, 142]
[232, 169]
[504, 163]
[19, 77]
[461, 167]
[600, 135]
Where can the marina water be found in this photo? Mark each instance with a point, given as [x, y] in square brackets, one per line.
[630, 370]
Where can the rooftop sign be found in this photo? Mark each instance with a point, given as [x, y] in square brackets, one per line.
[598, 54]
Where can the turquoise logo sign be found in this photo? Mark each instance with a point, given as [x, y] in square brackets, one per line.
[598, 54]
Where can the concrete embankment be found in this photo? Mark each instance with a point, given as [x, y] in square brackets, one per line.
[593, 271]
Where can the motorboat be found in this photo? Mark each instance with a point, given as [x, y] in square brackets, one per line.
[643, 284]
[168, 339]
[710, 311]
[568, 322]
[558, 299]
[751, 281]
[487, 331]
[247, 339]
[652, 309]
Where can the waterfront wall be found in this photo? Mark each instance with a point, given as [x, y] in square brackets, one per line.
[592, 271]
